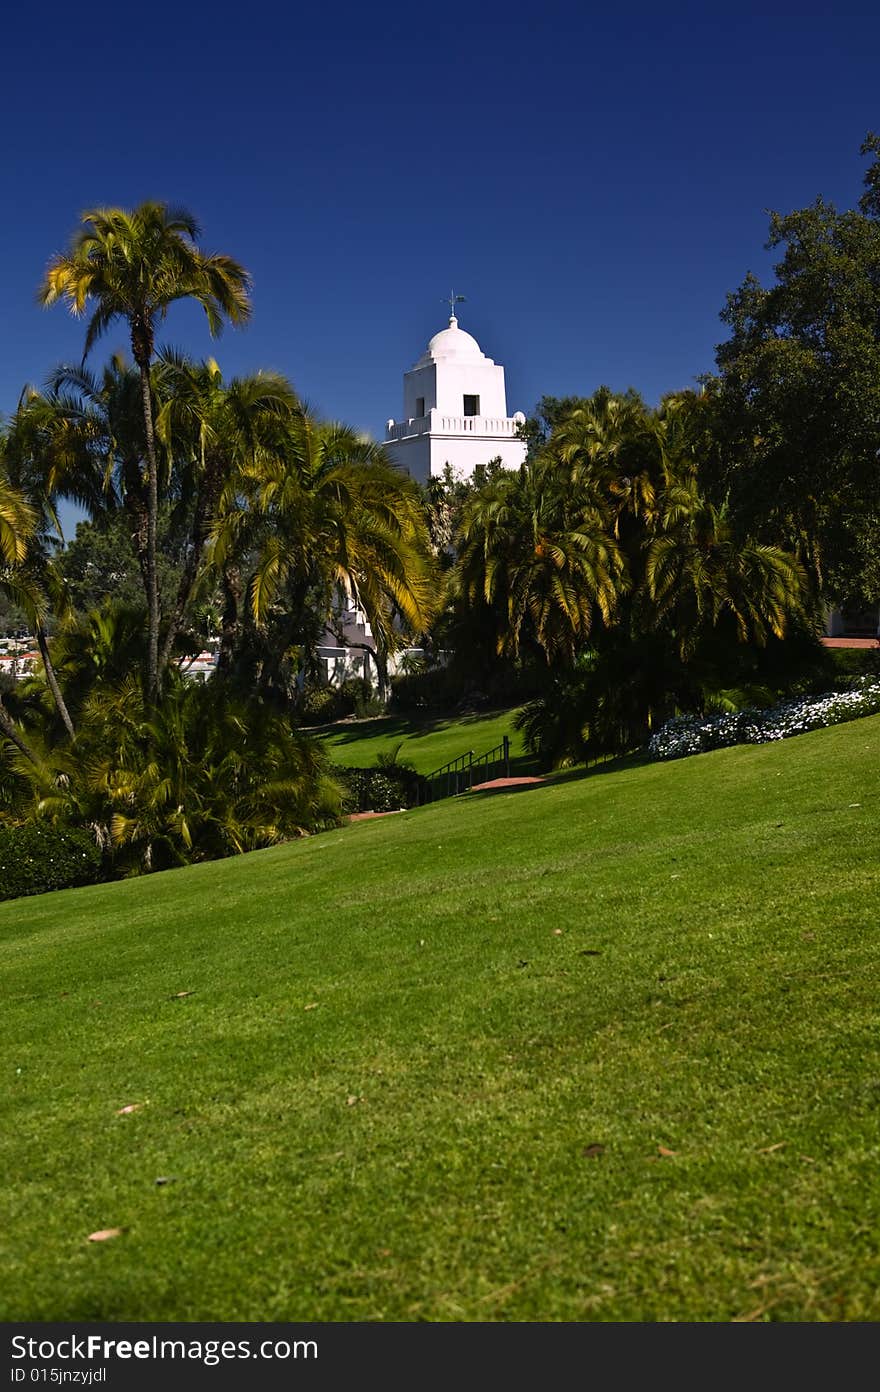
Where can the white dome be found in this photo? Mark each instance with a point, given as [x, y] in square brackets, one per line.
[452, 343]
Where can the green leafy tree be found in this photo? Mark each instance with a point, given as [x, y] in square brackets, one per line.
[605, 552]
[12, 617]
[548, 416]
[543, 558]
[213, 432]
[797, 394]
[133, 265]
[18, 525]
[326, 519]
[202, 776]
[100, 560]
[93, 433]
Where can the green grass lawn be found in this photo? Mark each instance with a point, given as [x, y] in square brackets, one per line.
[425, 742]
[605, 1049]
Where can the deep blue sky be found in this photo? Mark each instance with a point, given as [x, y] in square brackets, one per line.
[593, 179]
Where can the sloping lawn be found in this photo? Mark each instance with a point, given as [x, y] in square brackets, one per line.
[606, 1049]
[426, 743]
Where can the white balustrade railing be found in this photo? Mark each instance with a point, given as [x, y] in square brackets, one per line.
[437, 424]
[420, 425]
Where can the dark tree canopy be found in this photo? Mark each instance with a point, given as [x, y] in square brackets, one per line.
[552, 412]
[798, 393]
[100, 562]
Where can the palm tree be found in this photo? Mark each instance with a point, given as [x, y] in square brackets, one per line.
[697, 571]
[213, 431]
[45, 459]
[200, 776]
[98, 649]
[222, 777]
[96, 445]
[329, 517]
[37, 588]
[18, 519]
[18, 522]
[92, 437]
[134, 266]
[541, 552]
[611, 448]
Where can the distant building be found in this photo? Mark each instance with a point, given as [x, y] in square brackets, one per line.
[852, 627]
[200, 667]
[19, 657]
[454, 411]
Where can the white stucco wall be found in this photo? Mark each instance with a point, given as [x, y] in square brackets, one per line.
[464, 453]
[412, 454]
[427, 454]
[419, 382]
[456, 380]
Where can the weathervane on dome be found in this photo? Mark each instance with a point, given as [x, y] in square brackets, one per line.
[452, 302]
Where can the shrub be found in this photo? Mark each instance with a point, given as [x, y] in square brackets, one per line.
[372, 706]
[318, 705]
[322, 704]
[37, 857]
[694, 734]
[385, 787]
[554, 726]
[856, 662]
[353, 693]
[203, 776]
[451, 689]
[419, 690]
[602, 706]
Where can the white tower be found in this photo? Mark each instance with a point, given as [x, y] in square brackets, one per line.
[454, 411]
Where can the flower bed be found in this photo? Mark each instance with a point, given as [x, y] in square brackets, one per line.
[695, 734]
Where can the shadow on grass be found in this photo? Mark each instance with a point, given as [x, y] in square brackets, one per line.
[527, 766]
[397, 726]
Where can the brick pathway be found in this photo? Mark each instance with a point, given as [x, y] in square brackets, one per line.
[499, 783]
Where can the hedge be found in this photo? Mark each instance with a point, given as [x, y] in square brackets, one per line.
[379, 789]
[38, 857]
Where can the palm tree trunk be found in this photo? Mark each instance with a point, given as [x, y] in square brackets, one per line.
[7, 727]
[198, 537]
[152, 528]
[229, 623]
[137, 516]
[184, 593]
[52, 679]
[382, 685]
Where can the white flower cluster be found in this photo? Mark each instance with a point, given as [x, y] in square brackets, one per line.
[696, 734]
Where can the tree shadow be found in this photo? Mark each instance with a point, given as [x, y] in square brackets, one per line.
[563, 776]
[400, 727]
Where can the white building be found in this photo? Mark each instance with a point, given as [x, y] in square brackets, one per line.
[454, 411]
[853, 622]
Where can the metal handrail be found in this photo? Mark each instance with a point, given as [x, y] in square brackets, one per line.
[457, 776]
